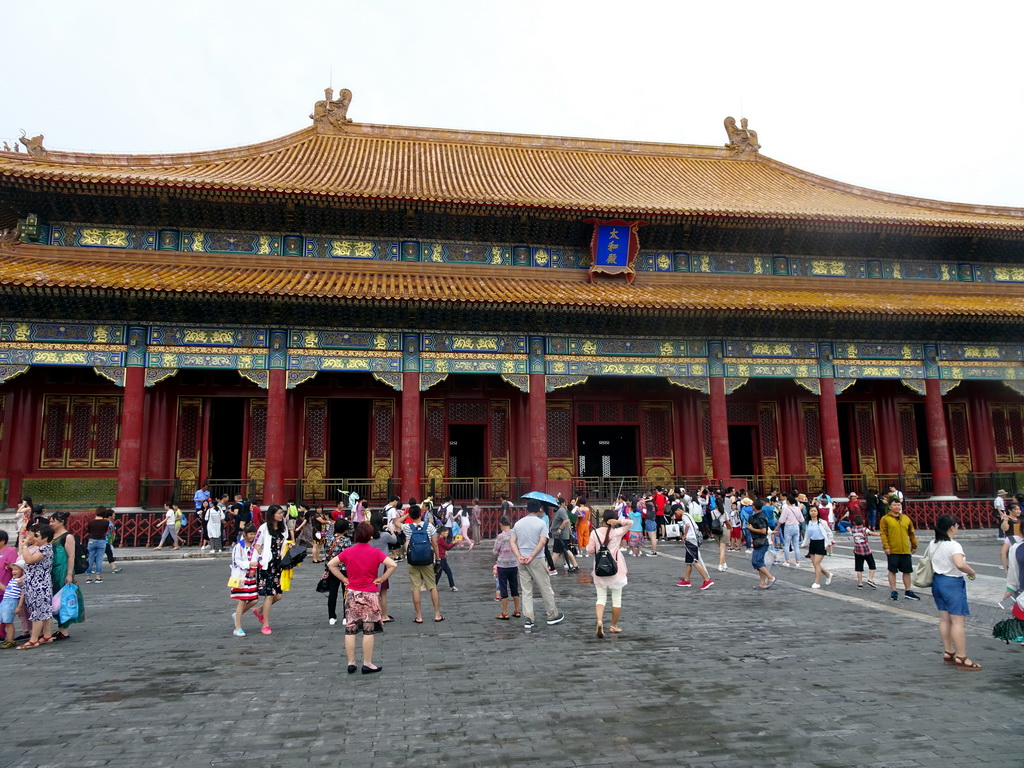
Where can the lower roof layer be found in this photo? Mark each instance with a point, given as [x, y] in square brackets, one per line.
[35, 266]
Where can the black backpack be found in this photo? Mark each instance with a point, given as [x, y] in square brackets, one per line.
[604, 563]
[81, 559]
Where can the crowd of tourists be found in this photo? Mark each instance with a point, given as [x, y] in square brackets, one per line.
[361, 548]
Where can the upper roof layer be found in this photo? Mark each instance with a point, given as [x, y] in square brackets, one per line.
[364, 161]
[32, 266]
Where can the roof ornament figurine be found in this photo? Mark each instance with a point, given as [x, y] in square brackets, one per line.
[332, 113]
[34, 145]
[742, 140]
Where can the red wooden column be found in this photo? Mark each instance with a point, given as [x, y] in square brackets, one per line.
[538, 416]
[720, 462]
[277, 416]
[938, 442]
[791, 431]
[410, 443]
[23, 439]
[983, 449]
[831, 455]
[691, 436]
[129, 463]
[890, 442]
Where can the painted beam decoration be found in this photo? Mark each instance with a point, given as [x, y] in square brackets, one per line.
[388, 353]
[614, 247]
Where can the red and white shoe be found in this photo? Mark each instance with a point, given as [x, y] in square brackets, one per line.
[683, 583]
[707, 583]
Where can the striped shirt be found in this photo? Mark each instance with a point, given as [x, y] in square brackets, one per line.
[13, 590]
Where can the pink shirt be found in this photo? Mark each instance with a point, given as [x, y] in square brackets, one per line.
[7, 556]
[362, 566]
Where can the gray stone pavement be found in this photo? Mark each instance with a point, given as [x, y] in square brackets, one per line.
[726, 677]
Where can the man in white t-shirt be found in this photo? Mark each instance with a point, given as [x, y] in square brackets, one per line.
[391, 513]
[999, 505]
[529, 538]
[688, 532]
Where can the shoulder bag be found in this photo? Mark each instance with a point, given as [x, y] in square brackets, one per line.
[924, 574]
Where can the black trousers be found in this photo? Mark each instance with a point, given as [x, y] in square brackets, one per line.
[443, 567]
[333, 585]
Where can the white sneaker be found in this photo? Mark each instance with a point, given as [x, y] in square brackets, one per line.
[815, 586]
[721, 566]
[828, 579]
[725, 566]
[332, 622]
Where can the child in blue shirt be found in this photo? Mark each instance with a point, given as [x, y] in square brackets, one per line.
[12, 604]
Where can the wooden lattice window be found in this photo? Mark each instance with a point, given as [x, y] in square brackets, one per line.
[812, 432]
[741, 413]
[1008, 432]
[499, 421]
[383, 418]
[767, 432]
[80, 432]
[258, 429]
[657, 431]
[435, 432]
[316, 429]
[473, 412]
[559, 432]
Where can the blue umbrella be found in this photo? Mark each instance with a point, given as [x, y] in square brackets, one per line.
[544, 498]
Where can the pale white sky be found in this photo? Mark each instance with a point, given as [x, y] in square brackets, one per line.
[898, 96]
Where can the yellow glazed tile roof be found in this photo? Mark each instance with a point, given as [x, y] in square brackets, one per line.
[374, 162]
[33, 266]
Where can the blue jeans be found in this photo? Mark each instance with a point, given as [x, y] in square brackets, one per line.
[749, 538]
[791, 540]
[96, 549]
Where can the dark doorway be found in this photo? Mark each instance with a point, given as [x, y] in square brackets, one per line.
[466, 454]
[742, 441]
[348, 436]
[227, 419]
[607, 451]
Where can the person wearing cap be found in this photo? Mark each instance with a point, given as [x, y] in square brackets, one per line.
[852, 510]
[529, 538]
[999, 507]
[746, 510]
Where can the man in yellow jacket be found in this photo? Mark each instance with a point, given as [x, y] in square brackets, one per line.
[899, 543]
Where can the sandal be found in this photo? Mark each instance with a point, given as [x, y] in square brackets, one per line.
[27, 646]
[614, 630]
[517, 615]
[600, 631]
[503, 617]
[947, 658]
[961, 663]
[49, 639]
